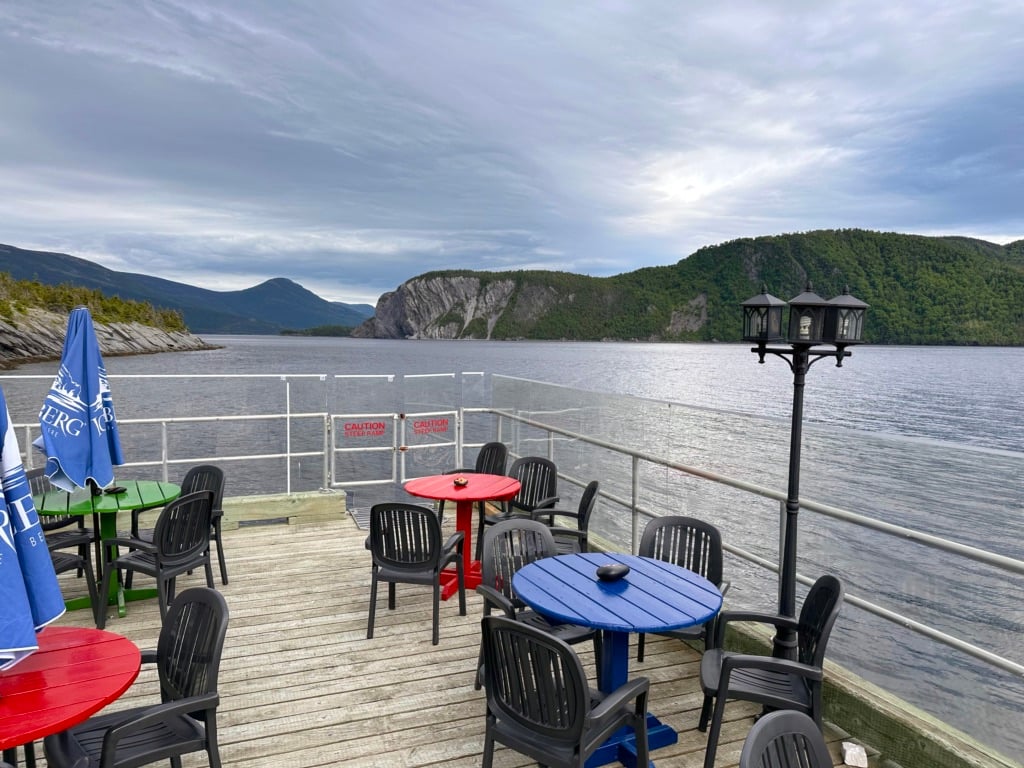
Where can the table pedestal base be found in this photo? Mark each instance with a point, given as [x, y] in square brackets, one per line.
[450, 580]
[621, 747]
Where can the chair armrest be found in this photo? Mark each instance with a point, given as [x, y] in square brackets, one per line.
[607, 710]
[552, 513]
[129, 542]
[135, 519]
[726, 617]
[493, 597]
[158, 713]
[570, 533]
[724, 587]
[545, 503]
[460, 470]
[732, 662]
[455, 542]
[149, 657]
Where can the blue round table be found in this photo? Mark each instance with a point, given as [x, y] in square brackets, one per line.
[654, 596]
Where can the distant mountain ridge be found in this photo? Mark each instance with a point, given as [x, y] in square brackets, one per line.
[921, 290]
[268, 308]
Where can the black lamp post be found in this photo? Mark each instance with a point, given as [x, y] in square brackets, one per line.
[812, 321]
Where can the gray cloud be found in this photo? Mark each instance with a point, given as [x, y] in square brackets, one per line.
[351, 146]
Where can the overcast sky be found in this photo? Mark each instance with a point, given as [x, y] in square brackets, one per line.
[351, 145]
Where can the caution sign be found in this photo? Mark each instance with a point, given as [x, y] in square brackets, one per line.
[429, 426]
[364, 429]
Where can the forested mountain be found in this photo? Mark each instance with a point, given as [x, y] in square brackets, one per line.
[922, 290]
[268, 308]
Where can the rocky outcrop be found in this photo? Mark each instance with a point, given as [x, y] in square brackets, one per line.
[444, 308]
[39, 335]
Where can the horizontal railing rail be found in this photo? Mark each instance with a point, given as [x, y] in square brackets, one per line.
[979, 555]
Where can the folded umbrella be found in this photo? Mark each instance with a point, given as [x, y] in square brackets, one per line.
[79, 430]
[30, 596]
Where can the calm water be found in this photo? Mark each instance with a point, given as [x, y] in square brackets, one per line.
[963, 395]
[926, 437]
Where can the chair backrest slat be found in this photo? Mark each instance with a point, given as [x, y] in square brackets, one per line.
[534, 679]
[538, 480]
[817, 617]
[687, 542]
[183, 528]
[785, 739]
[205, 477]
[508, 546]
[492, 459]
[404, 536]
[190, 643]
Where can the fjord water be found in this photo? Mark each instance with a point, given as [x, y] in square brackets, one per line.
[964, 405]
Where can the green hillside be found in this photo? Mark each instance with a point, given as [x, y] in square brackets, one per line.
[922, 290]
[18, 295]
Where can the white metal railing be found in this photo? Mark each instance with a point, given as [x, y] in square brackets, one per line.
[637, 511]
[166, 461]
[328, 425]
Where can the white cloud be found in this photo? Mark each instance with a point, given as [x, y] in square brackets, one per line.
[352, 146]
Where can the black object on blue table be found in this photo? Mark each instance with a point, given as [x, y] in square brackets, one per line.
[612, 571]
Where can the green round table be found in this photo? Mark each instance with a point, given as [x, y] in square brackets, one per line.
[138, 494]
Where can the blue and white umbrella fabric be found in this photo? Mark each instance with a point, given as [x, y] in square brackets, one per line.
[30, 596]
[79, 430]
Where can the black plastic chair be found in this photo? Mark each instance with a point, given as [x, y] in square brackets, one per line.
[539, 703]
[62, 531]
[775, 683]
[68, 561]
[181, 543]
[785, 739]
[405, 543]
[692, 544]
[538, 480]
[204, 477]
[491, 460]
[187, 657]
[572, 540]
[508, 546]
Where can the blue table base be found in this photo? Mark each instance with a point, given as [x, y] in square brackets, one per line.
[621, 747]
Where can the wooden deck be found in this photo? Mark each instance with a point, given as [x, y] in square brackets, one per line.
[302, 686]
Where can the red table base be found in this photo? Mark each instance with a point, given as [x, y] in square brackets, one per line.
[450, 580]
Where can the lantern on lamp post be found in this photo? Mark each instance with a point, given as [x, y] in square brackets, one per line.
[812, 321]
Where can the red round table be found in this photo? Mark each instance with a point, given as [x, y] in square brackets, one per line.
[74, 674]
[479, 487]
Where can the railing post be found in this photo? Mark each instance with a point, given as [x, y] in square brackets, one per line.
[460, 436]
[164, 453]
[635, 503]
[27, 442]
[398, 467]
[288, 434]
[328, 462]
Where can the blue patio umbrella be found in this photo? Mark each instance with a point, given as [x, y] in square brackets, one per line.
[79, 430]
[30, 597]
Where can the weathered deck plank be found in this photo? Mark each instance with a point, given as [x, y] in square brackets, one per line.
[302, 686]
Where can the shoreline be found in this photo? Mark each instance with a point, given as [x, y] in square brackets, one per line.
[38, 336]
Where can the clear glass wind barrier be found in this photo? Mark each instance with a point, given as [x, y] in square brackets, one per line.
[272, 430]
[969, 495]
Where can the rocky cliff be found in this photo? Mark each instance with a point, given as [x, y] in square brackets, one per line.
[442, 307]
[39, 335]
[535, 305]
